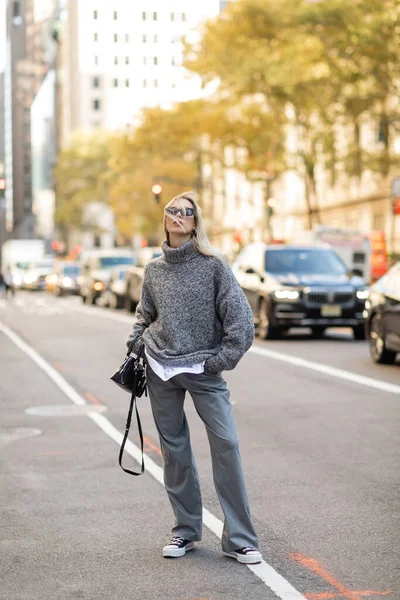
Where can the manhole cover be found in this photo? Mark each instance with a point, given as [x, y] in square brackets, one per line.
[64, 410]
[12, 434]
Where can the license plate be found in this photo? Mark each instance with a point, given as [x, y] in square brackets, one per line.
[331, 310]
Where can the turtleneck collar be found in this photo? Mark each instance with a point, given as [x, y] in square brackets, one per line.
[181, 254]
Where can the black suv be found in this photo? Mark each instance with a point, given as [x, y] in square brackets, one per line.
[296, 286]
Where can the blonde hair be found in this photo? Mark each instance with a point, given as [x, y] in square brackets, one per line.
[199, 236]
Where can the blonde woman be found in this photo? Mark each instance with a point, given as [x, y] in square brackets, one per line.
[194, 322]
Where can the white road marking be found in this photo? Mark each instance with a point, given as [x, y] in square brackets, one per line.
[327, 370]
[272, 579]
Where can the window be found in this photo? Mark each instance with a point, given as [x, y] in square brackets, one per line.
[126, 82]
[127, 37]
[183, 16]
[127, 60]
[172, 16]
[96, 82]
[144, 39]
[156, 83]
[115, 60]
[143, 16]
[96, 60]
[173, 60]
[96, 104]
[115, 37]
[96, 37]
[154, 16]
[155, 39]
[95, 14]
[115, 82]
[155, 60]
[115, 15]
[144, 83]
[144, 60]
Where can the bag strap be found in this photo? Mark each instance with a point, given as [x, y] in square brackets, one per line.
[133, 403]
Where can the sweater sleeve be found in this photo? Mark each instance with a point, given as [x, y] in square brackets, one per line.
[237, 321]
[145, 314]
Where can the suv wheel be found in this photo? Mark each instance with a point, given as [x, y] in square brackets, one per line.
[265, 330]
[359, 332]
[377, 348]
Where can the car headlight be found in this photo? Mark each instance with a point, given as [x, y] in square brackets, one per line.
[98, 286]
[286, 294]
[362, 294]
[17, 280]
[67, 281]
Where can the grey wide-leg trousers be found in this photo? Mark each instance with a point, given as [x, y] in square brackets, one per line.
[211, 400]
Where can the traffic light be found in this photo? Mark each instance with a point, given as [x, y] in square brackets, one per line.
[157, 189]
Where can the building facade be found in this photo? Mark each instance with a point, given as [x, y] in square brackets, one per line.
[119, 57]
[25, 68]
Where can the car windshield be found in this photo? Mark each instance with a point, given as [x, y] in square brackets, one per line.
[303, 262]
[41, 264]
[71, 270]
[108, 262]
[22, 265]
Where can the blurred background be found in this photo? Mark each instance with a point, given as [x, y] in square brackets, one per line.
[284, 115]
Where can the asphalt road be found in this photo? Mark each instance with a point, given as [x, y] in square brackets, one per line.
[319, 431]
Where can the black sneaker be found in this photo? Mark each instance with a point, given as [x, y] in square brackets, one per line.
[178, 546]
[246, 555]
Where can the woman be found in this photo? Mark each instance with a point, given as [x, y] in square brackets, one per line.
[194, 322]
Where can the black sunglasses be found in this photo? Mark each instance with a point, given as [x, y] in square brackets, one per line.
[184, 211]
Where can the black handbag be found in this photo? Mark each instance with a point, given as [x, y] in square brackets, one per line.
[131, 377]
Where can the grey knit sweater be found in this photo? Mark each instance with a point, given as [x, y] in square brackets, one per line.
[191, 310]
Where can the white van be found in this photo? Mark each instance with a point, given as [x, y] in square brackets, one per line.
[96, 268]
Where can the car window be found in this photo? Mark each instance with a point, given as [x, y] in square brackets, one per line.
[41, 264]
[22, 265]
[303, 262]
[71, 270]
[109, 262]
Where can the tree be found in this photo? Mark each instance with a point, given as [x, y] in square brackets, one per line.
[329, 64]
[81, 177]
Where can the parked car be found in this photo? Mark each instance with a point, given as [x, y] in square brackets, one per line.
[382, 317]
[300, 286]
[96, 269]
[114, 294]
[64, 278]
[34, 277]
[134, 277]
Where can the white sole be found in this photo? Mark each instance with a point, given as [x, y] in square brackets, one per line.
[177, 552]
[249, 559]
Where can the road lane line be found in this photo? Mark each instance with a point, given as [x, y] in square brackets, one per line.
[272, 579]
[288, 358]
[327, 370]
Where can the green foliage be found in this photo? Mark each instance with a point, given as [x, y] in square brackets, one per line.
[333, 64]
[81, 176]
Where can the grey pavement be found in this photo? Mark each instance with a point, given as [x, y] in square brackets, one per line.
[321, 459]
